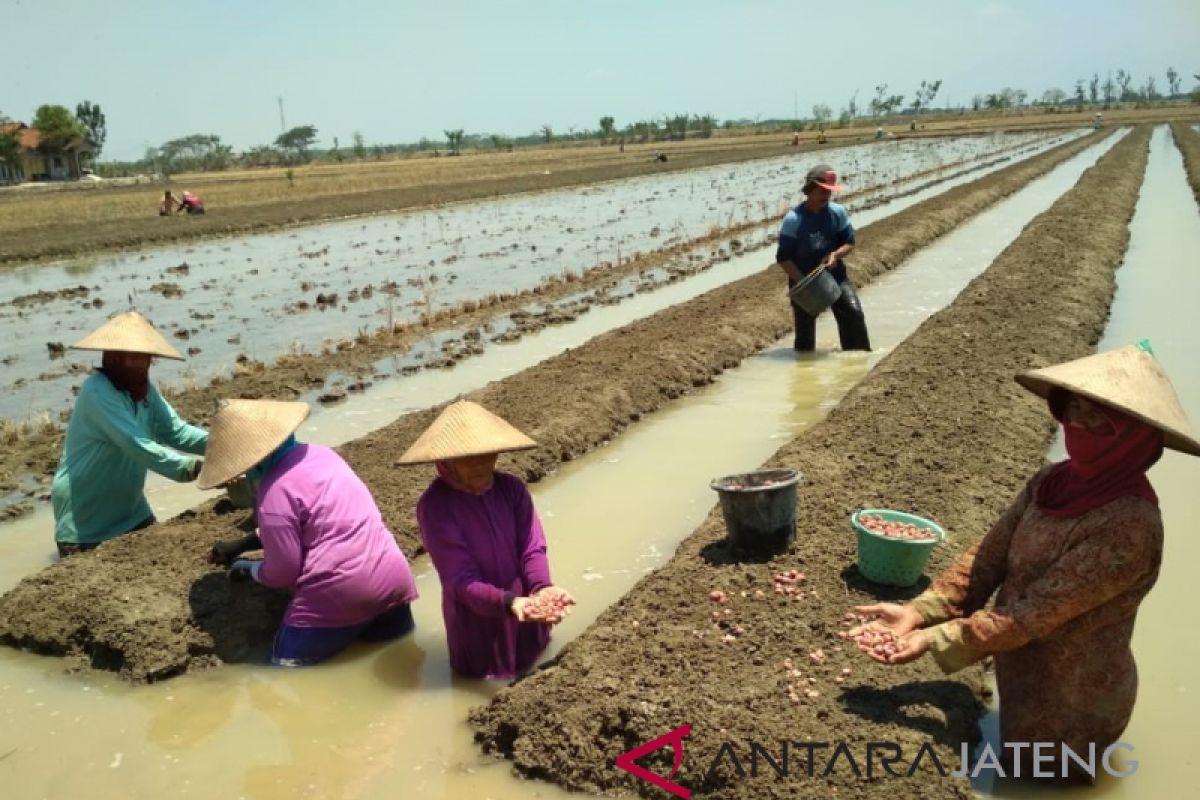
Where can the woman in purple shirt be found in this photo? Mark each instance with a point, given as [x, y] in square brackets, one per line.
[321, 534]
[487, 544]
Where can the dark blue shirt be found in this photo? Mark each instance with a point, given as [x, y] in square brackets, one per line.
[806, 238]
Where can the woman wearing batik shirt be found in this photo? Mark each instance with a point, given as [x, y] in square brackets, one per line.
[1069, 563]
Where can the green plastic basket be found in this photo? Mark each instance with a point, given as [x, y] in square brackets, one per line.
[893, 562]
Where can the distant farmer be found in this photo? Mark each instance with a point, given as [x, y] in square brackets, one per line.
[818, 233]
[191, 203]
[120, 427]
[878, 133]
[660, 156]
[487, 544]
[167, 206]
[1069, 563]
[821, 137]
[320, 531]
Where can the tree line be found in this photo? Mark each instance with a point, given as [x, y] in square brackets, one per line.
[298, 145]
[58, 128]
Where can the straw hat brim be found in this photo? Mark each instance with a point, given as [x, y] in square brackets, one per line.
[128, 332]
[243, 433]
[465, 429]
[1128, 379]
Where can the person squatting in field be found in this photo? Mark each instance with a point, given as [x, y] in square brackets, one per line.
[320, 531]
[120, 428]
[1069, 562]
[818, 233]
[487, 545]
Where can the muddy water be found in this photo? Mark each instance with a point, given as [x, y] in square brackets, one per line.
[1156, 291]
[260, 296]
[387, 722]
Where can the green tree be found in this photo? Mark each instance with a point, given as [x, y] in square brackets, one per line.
[851, 110]
[360, 146]
[822, 113]
[547, 134]
[93, 119]
[1110, 90]
[1053, 96]
[298, 140]
[197, 151]
[1094, 88]
[263, 156]
[1150, 90]
[455, 139]
[607, 126]
[1080, 94]
[931, 90]
[1172, 81]
[1125, 86]
[10, 148]
[705, 124]
[677, 126]
[57, 127]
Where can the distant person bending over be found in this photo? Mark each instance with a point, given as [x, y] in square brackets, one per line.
[191, 203]
[818, 233]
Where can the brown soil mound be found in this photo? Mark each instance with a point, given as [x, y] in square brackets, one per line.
[938, 427]
[148, 606]
[1188, 142]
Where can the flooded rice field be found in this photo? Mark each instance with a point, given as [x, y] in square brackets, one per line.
[382, 721]
[388, 720]
[259, 297]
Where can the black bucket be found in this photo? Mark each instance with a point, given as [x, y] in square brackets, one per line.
[759, 509]
[815, 292]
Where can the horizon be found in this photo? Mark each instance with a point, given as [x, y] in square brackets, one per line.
[402, 74]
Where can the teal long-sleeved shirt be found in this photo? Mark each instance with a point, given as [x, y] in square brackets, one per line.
[98, 490]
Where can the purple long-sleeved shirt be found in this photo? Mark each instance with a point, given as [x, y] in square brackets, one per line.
[323, 537]
[483, 546]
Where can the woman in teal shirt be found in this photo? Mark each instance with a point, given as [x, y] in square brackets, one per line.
[120, 428]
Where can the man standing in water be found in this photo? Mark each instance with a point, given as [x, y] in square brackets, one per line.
[818, 233]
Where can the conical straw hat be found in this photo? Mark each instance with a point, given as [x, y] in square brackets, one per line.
[128, 332]
[465, 429]
[1128, 379]
[243, 433]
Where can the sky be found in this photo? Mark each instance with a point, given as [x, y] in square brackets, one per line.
[398, 71]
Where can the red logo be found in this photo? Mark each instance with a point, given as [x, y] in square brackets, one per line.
[675, 739]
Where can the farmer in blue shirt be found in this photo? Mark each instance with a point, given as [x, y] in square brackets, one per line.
[120, 428]
[818, 233]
